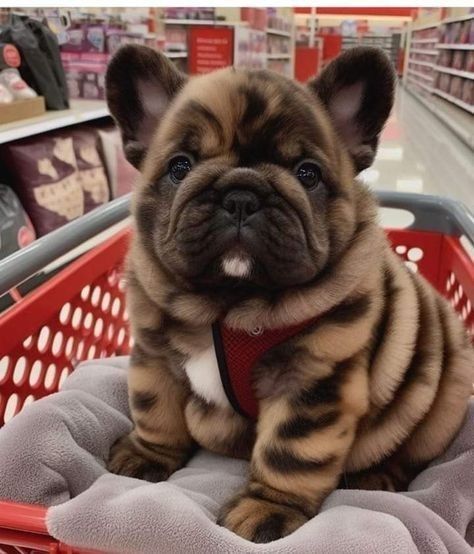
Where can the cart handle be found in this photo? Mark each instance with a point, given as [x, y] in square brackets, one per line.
[432, 213]
[28, 261]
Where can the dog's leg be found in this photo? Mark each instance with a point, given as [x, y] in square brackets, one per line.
[160, 443]
[299, 455]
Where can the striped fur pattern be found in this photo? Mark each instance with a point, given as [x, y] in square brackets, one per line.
[376, 387]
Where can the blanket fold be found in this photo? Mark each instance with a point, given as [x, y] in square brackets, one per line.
[54, 453]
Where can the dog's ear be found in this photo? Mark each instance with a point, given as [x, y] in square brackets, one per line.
[140, 83]
[357, 89]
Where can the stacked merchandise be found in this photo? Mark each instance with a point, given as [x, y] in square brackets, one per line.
[440, 72]
[195, 14]
[250, 48]
[455, 65]
[176, 38]
[32, 75]
[387, 41]
[17, 99]
[86, 53]
[422, 59]
[280, 41]
[64, 174]
[256, 18]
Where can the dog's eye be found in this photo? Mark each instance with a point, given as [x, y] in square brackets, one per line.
[179, 167]
[309, 175]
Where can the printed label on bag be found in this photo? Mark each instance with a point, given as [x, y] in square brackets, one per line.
[11, 56]
[65, 197]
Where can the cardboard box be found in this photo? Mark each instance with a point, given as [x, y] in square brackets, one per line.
[22, 109]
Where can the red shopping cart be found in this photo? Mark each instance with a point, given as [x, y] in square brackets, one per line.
[79, 313]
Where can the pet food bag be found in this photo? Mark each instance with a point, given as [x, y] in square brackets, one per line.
[43, 172]
[91, 171]
[121, 173]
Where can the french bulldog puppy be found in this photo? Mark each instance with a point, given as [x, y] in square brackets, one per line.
[249, 222]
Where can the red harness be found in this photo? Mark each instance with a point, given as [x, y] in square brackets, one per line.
[237, 353]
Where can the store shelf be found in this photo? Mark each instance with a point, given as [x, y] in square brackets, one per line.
[80, 111]
[174, 55]
[209, 22]
[452, 71]
[278, 56]
[421, 98]
[419, 74]
[422, 85]
[423, 27]
[455, 46]
[424, 51]
[271, 31]
[425, 40]
[457, 120]
[453, 100]
[459, 18]
[420, 62]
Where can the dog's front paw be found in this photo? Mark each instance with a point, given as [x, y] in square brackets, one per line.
[131, 458]
[259, 520]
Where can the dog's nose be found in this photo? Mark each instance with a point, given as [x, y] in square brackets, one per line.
[241, 204]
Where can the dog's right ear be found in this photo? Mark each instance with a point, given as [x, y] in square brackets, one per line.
[140, 84]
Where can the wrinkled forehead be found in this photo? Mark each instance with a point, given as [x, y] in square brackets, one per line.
[258, 116]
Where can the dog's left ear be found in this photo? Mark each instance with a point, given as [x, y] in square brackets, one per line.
[357, 88]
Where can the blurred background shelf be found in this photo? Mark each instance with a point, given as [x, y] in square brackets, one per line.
[455, 46]
[271, 31]
[453, 100]
[279, 56]
[452, 71]
[176, 55]
[80, 112]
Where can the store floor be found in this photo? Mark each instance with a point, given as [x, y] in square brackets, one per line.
[418, 153]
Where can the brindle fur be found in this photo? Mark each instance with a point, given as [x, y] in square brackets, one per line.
[367, 395]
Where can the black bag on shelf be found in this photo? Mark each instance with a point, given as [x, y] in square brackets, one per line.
[16, 230]
[41, 65]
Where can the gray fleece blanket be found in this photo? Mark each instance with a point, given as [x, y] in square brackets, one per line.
[54, 453]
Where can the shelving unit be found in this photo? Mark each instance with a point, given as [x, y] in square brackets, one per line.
[424, 41]
[271, 31]
[424, 51]
[208, 22]
[438, 75]
[422, 85]
[80, 112]
[282, 60]
[451, 71]
[453, 100]
[279, 56]
[176, 55]
[389, 43]
[421, 75]
[280, 41]
[426, 64]
[455, 46]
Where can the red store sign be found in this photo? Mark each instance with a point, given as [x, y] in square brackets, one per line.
[210, 48]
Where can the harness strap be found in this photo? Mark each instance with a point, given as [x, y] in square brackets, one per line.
[237, 354]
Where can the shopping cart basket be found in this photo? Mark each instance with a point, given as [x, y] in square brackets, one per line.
[79, 313]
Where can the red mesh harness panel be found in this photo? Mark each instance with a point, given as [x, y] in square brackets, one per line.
[237, 353]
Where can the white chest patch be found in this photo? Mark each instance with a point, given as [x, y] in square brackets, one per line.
[236, 267]
[203, 374]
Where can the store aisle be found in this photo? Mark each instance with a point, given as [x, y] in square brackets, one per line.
[419, 154]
